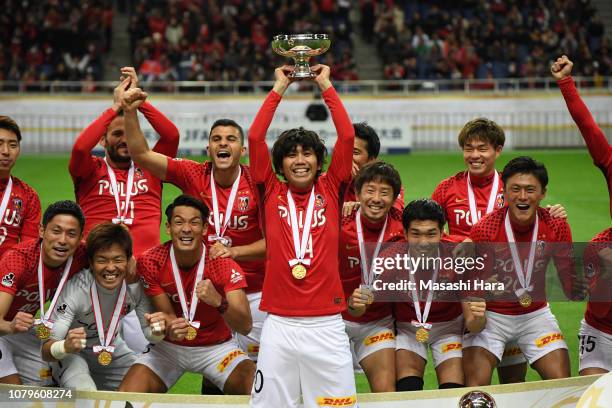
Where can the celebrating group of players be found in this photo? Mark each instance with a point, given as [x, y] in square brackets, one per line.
[265, 285]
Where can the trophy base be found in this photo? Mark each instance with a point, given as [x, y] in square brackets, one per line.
[300, 75]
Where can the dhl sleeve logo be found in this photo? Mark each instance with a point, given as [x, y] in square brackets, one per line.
[451, 346]
[253, 348]
[377, 338]
[547, 339]
[336, 402]
[228, 359]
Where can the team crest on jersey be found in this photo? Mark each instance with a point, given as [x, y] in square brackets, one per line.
[144, 283]
[540, 247]
[319, 201]
[8, 280]
[61, 309]
[499, 202]
[139, 172]
[235, 276]
[243, 203]
[589, 270]
[18, 204]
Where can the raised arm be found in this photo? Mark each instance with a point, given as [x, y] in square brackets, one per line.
[169, 137]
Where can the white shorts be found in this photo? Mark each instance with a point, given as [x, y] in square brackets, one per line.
[20, 354]
[537, 334]
[445, 340]
[250, 343]
[370, 337]
[595, 348]
[169, 361]
[308, 355]
[512, 355]
[83, 372]
[131, 332]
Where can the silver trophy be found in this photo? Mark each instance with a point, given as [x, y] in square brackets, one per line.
[301, 47]
[477, 399]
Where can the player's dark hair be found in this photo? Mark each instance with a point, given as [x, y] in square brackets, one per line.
[366, 133]
[289, 140]
[104, 235]
[424, 209]
[185, 200]
[381, 172]
[9, 124]
[525, 165]
[482, 129]
[228, 122]
[66, 207]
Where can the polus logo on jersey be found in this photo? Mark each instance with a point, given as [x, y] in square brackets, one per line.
[138, 187]
[235, 276]
[7, 280]
[318, 217]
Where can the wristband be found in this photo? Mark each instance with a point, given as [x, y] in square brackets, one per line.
[223, 306]
[58, 350]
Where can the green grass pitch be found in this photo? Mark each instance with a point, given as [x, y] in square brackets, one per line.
[574, 182]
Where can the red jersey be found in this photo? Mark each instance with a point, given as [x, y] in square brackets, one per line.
[598, 313]
[22, 216]
[452, 195]
[441, 311]
[155, 268]
[499, 263]
[351, 195]
[93, 188]
[19, 268]
[599, 148]
[350, 258]
[243, 228]
[320, 292]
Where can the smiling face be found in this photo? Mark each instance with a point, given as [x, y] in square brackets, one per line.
[186, 229]
[376, 199]
[109, 266]
[60, 238]
[523, 193]
[479, 156]
[225, 147]
[115, 142]
[300, 167]
[9, 151]
[423, 237]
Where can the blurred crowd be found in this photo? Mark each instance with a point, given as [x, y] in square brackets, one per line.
[54, 39]
[449, 39]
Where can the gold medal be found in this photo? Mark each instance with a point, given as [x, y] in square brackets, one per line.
[525, 300]
[422, 335]
[105, 358]
[191, 333]
[42, 332]
[298, 271]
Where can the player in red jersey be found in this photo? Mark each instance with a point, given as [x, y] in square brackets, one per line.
[469, 195]
[30, 268]
[599, 148]
[100, 183]
[201, 297]
[596, 328]
[304, 346]
[226, 187]
[440, 324]
[528, 319]
[19, 203]
[370, 325]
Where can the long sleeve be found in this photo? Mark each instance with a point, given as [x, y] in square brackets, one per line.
[81, 161]
[342, 157]
[168, 133]
[68, 307]
[259, 157]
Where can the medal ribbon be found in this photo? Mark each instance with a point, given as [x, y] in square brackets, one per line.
[188, 314]
[5, 198]
[106, 338]
[44, 316]
[121, 217]
[472, 199]
[220, 230]
[524, 277]
[300, 246]
[422, 318]
[366, 271]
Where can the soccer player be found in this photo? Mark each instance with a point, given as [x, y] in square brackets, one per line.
[370, 326]
[525, 317]
[599, 148]
[85, 340]
[19, 203]
[304, 346]
[226, 187]
[33, 272]
[201, 298]
[438, 325]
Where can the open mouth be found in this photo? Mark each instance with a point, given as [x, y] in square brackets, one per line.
[523, 207]
[301, 172]
[110, 277]
[186, 240]
[224, 154]
[5, 162]
[477, 164]
[375, 207]
[60, 252]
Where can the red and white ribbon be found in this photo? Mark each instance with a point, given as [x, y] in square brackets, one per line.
[524, 277]
[300, 245]
[220, 229]
[122, 216]
[106, 337]
[45, 315]
[366, 270]
[188, 314]
[472, 199]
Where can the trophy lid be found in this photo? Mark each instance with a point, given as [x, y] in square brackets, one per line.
[285, 37]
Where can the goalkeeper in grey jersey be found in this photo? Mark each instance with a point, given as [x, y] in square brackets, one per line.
[86, 347]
